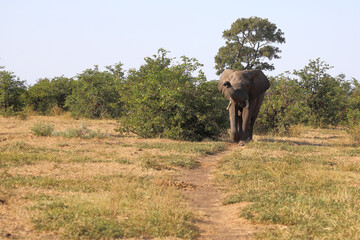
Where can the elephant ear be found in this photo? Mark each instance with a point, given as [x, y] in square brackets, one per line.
[225, 76]
[260, 83]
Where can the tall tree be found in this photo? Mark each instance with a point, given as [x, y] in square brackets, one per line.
[248, 44]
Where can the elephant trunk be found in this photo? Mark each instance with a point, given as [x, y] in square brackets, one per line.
[238, 95]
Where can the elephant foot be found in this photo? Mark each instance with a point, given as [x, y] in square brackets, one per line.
[235, 138]
[242, 143]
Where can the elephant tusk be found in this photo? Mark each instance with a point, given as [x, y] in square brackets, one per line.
[247, 103]
[228, 106]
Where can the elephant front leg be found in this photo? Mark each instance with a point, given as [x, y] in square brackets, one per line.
[234, 122]
[245, 128]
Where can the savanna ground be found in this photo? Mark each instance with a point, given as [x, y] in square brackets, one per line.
[106, 186]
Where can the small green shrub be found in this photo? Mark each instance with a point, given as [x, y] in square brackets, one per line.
[22, 115]
[42, 129]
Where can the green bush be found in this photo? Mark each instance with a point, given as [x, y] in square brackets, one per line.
[96, 93]
[284, 105]
[326, 96]
[353, 110]
[163, 99]
[312, 97]
[48, 94]
[12, 93]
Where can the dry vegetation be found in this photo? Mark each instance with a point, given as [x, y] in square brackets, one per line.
[304, 187]
[112, 186]
[95, 187]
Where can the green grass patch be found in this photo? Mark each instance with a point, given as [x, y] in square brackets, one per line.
[24, 157]
[203, 148]
[81, 132]
[45, 129]
[134, 207]
[21, 153]
[162, 162]
[19, 158]
[290, 146]
[100, 183]
[314, 196]
[353, 152]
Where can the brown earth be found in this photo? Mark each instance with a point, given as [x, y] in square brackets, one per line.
[216, 221]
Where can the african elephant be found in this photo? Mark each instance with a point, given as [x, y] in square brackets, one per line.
[245, 90]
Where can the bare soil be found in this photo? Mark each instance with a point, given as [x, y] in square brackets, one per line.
[216, 221]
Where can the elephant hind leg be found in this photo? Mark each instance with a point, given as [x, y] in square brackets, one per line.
[255, 113]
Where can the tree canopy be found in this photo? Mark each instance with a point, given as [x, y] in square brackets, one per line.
[248, 44]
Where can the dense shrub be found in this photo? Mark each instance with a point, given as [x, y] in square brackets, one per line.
[96, 94]
[284, 105]
[47, 94]
[326, 96]
[310, 96]
[12, 92]
[353, 110]
[163, 99]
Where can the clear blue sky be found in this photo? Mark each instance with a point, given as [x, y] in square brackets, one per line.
[47, 38]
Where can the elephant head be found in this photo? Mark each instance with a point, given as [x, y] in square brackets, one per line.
[245, 90]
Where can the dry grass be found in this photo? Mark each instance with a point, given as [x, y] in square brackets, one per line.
[307, 186]
[108, 186]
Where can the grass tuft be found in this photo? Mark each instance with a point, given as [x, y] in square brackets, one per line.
[42, 129]
[82, 132]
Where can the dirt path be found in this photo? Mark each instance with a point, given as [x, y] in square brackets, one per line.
[217, 221]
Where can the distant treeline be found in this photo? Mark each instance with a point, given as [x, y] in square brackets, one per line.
[164, 98]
